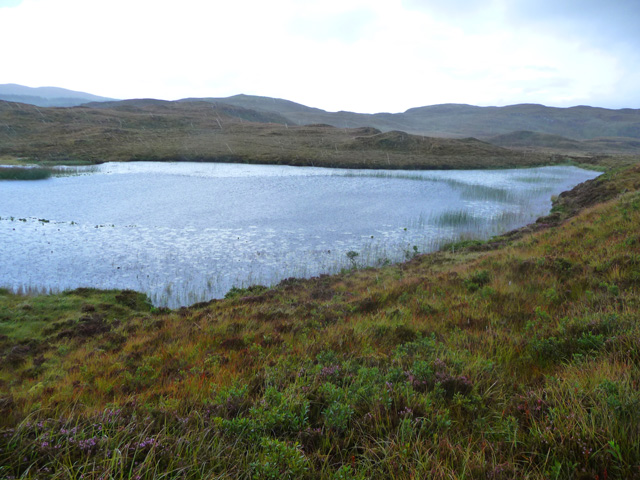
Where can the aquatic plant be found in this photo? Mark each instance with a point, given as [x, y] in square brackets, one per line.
[21, 173]
[457, 218]
[352, 255]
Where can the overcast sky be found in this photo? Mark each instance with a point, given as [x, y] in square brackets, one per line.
[358, 55]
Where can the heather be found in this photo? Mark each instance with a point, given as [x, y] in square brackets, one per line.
[515, 357]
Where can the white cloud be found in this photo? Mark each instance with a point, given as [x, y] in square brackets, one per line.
[375, 55]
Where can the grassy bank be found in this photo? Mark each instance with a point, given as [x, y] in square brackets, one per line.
[514, 358]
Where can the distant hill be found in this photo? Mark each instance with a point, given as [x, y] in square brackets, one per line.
[235, 111]
[578, 130]
[298, 114]
[525, 140]
[460, 121]
[47, 96]
[262, 103]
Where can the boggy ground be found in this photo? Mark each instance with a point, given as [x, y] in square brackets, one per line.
[517, 358]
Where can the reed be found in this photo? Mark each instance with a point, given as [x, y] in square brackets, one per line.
[20, 173]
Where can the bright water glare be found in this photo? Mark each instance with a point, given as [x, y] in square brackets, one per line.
[188, 232]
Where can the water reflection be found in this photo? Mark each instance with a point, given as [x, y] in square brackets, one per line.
[187, 232]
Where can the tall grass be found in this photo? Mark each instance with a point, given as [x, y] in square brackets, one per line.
[469, 190]
[458, 218]
[384, 175]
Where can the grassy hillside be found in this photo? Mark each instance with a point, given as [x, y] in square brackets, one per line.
[202, 131]
[515, 358]
[580, 122]
[527, 140]
[458, 120]
[447, 120]
[586, 130]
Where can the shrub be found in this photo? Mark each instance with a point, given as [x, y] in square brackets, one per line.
[280, 461]
[477, 280]
[337, 416]
[352, 255]
[236, 292]
[554, 349]
[279, 414]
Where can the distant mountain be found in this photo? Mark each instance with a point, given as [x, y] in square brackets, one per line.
[47, 96]
[581, 129]
[460, 121]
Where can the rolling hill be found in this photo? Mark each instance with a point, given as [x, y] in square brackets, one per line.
[512, 358]
[457, 120]
[47, 96]
[579, 130]
[205, 131]
[527, 140]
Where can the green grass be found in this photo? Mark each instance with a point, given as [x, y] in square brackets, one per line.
[512, 358]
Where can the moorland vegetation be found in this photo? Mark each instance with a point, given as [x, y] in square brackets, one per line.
[155, 130]
[512, 358]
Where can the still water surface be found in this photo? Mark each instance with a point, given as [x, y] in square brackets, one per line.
[187, 232]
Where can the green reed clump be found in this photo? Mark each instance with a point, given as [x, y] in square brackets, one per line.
[386, 176]
[17, 173]
[457, 218]
[486, 193]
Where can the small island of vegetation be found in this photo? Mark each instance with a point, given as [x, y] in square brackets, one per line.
[20, 173]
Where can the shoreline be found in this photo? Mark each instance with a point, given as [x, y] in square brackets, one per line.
[471, 244]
